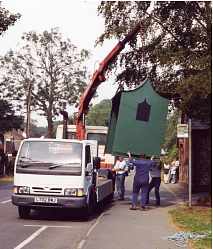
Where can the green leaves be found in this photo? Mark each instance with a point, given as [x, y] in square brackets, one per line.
[99, 113]
[173, 48]
[8, 118]
[7, 19]
[52, 65]
[171, 131]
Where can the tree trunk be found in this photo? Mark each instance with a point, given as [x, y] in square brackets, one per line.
[50, 109]
[50, 126]
[50, 120]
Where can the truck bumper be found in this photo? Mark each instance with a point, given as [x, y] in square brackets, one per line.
[62, 202]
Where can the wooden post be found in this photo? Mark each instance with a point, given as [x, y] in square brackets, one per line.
[190, 163]
[28, 111]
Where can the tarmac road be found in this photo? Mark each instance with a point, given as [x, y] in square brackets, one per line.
[113, 227]
[52, 229]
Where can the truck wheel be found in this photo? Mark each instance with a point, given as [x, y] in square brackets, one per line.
[94, 202]
[111, 197]
[23, 212]
[91, 206]
[87, 211]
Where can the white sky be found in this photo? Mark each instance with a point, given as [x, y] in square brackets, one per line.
[76, 19]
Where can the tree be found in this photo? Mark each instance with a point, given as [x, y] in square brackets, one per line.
[7, 19]
[47, 71]
[8, 119]
[37, 131]
[170, 142]
[99, 113]
[173, 48]
[171, 130]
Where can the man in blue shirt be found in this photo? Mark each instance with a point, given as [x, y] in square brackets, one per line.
[141, 180]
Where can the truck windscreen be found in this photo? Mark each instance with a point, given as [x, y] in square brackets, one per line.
[50, 157]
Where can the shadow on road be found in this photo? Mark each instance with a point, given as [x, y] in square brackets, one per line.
[166, 200]
[74, 215]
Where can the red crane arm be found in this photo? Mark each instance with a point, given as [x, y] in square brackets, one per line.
[97, 79]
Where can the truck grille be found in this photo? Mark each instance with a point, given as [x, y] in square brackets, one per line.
[46, 191]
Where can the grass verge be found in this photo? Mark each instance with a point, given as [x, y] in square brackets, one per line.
[195, 219]
[6, 180]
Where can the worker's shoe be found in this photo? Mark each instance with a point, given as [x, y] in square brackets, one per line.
[143, 208]
[121, 198]
[133, 208]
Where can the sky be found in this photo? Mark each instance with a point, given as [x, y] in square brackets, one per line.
[77, 20]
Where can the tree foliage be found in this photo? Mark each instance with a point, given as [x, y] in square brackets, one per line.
[99, 113]
[37, 131]
[7, 19]
[171, 131]
[8, 119]
[173, 48]
[50, 68]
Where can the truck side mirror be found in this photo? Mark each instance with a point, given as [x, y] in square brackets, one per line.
[97, 162]
[89, 167]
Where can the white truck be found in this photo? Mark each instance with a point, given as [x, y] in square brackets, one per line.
[59, 173]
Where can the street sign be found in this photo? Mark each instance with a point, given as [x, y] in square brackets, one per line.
[182, 131]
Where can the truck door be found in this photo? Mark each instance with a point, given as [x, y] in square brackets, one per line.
[88, 167]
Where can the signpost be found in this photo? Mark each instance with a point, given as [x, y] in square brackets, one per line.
[184, 131]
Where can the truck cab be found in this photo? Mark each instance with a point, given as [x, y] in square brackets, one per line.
[58, 173]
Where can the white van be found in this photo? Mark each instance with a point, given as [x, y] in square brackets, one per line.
[58, 173]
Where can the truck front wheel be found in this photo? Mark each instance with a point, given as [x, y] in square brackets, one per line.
[91, 206]
[111, 197]
[23, 212]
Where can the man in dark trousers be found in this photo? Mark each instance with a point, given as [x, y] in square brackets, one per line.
[2, 161]
[141, 180]
[155, 174]
[121, 169]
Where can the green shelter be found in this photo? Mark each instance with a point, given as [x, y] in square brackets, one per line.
[137, 122]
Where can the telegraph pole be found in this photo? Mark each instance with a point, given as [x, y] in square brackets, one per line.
[28, 110]
[190, 162]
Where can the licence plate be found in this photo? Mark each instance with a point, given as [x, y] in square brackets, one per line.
[43, 199]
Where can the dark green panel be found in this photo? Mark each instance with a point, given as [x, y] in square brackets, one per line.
[113, 122]
[139, 136]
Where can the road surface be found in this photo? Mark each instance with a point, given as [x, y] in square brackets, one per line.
[113, 227]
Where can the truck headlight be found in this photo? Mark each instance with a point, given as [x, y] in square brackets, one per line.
[74, 192]
[21, 190]
[15, 189]
[80, 192]
[70, 191]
